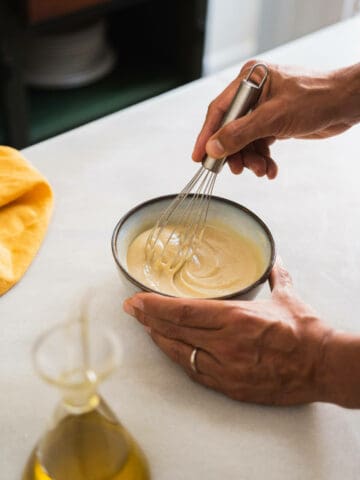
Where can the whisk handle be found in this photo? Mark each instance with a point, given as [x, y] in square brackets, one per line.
[244, 100]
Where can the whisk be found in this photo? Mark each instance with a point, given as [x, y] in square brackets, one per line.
[186, 215]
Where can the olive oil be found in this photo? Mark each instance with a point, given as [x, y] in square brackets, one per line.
[88, 446]
[85, 440]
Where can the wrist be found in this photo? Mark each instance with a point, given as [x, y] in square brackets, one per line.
[339, 372]
[345, 93]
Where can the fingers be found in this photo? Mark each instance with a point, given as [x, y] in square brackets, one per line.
[236, 163]
[192, 336]
[192, 313]
[236, 135]
[176, 339]
[255, 157]
[280, 280]
[242, 140]
[218, 108]
[214, 116]
[272, 169]
[262, 148]
[255, 161]
[180, 353]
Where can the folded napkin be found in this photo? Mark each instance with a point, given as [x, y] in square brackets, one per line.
[26, 202]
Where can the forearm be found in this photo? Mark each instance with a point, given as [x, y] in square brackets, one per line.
[346, 94]
[339, 376]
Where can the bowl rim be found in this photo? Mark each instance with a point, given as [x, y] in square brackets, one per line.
[238, 293]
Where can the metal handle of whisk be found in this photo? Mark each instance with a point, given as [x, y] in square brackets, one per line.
[243, 102]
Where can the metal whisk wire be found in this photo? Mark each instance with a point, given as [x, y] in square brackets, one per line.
[187, 213]
[187, 210]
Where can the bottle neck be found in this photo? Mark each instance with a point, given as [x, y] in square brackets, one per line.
[80, 400]
[79, 390]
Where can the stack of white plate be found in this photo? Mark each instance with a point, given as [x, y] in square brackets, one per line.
[68, 59]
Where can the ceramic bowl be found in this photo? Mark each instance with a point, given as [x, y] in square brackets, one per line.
[144, 216]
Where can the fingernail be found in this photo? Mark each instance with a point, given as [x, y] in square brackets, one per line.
[137, 303]
[215, 148]
[128, 308]
[147, 329]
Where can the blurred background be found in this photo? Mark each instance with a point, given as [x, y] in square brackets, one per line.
[66, 63]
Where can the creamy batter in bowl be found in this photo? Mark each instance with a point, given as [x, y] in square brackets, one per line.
[223, 213]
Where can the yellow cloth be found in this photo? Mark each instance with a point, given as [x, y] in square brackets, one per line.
[26, 202]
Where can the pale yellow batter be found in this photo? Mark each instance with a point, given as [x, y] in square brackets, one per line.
[223, 263]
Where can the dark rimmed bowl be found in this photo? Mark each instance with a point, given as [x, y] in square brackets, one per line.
[144, 216]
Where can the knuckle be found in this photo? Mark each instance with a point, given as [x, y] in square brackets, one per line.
[273, 116]
[283, 295]
[225, 351]
[231, 130]
[285, 277]
[235, 312]
[230, 135]
[247, 65]
[184, 313]
[213, 106]
[268, 335]
[141, 316]
[210, 108]
[170, 331]
[285, 290]
[175, 351]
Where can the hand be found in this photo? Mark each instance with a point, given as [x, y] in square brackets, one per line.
[265, 351]
[292, 104]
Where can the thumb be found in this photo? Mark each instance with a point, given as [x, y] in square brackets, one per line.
[280, 280]
[234, 136]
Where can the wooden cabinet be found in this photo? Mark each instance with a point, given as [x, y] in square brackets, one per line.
[41, 10]
[158, 44]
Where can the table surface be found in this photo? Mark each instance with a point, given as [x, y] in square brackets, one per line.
[100, 171]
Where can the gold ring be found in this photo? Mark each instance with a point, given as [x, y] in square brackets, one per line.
[193, 360]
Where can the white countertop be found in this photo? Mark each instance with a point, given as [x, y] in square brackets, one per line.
[103, 169]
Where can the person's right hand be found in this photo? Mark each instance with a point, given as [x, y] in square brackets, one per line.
[292, 104]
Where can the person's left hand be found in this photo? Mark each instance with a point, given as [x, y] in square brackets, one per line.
[264, 351]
